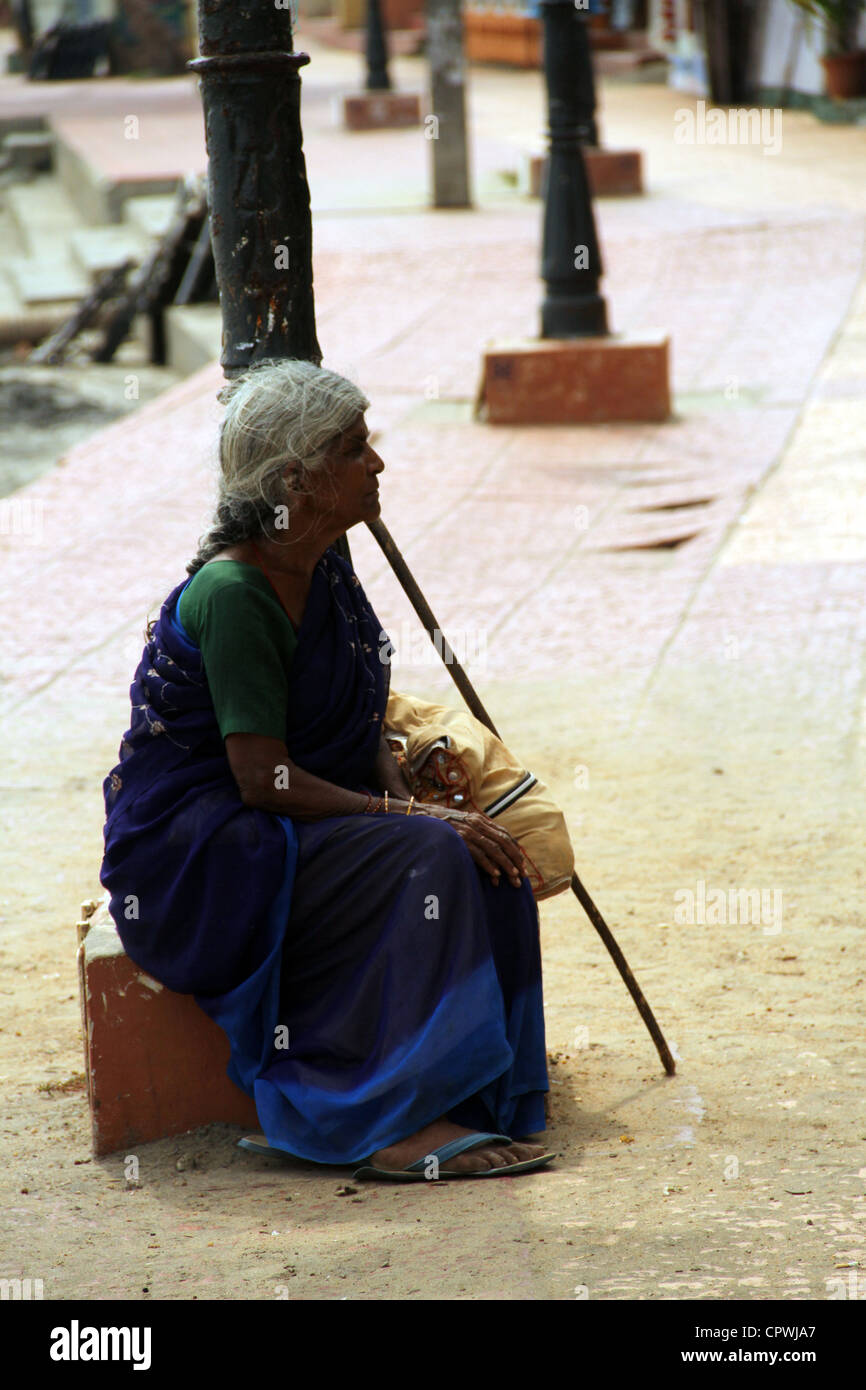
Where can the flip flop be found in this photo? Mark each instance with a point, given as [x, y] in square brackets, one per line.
[258, 1144]
[417, 1171]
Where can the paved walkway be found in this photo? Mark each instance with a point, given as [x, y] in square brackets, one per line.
[696, 705]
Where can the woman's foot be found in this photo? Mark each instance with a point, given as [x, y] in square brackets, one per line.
[431, 1137]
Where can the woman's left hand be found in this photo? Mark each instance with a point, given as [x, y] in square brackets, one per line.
[490, 845]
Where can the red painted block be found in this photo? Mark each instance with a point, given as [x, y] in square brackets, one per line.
[577, 380]
[611, 173]
[156, 1065]
[514, 39]
[381, 110]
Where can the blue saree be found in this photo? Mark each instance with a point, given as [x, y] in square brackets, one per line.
[369, 976]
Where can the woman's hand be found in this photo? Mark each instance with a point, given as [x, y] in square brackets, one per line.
[268, 780]
[492, 848]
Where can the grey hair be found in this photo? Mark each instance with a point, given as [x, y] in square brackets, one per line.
[280, 411]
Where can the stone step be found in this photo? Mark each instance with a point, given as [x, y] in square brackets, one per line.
[46, 282]
[13, 120]
[193, 336]
[43, 216]
[31, 151]
[34, 237]
[98, 190]
[22, 324]
[150, 214]
[97, 249]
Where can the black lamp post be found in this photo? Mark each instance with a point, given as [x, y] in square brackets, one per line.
[584, 87]
[570, 259]
[377, 50]
[257, 182]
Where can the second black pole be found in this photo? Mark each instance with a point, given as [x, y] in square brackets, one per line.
[377, 49]
[570, 259]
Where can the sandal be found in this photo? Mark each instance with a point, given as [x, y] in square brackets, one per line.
[418, 1171]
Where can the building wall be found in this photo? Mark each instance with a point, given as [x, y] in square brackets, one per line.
[789, 50]
[673, 30]
[47, 12]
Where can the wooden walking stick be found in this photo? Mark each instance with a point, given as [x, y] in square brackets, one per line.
[470, 695]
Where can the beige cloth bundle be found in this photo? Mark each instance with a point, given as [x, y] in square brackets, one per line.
[449, 757]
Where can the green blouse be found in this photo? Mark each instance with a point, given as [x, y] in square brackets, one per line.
[247, 642]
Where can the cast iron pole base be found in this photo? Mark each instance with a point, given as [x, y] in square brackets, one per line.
[566, 315]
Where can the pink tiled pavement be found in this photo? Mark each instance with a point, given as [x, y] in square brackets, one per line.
[160, 144]
[523, 534]
[108, 96]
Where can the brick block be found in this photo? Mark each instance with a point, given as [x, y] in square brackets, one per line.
[611, 173]
[381, 110]
[156, 1065]
[577, 380]
[491, 37]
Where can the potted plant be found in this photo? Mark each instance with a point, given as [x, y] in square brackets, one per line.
[843, 62]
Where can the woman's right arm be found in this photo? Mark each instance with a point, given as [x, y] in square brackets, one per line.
[269, 781]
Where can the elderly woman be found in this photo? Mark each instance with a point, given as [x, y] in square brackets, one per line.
[374, 962]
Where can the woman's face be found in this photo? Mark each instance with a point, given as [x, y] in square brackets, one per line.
[354, 468]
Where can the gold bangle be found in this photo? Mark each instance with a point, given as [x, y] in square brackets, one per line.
[386, 803]
[409, 807]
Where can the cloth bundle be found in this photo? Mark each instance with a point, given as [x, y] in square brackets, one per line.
[451, 758]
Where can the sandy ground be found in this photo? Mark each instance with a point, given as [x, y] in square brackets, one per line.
[741, 1177]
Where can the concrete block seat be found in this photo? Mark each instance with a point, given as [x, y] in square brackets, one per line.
[156, 1065]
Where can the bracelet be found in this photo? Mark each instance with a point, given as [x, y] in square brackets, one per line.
[374, 805]
[409, 807]
[386, 803]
